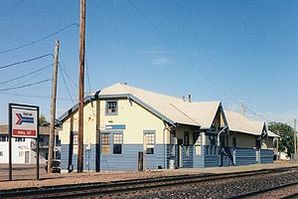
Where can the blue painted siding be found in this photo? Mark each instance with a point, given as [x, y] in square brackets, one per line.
[89, 157]
[128, 160]
[64, 156]
[228, 158]
[245, 156]
[211, 158]
[187, 160]
[266, 156]
[198, 160]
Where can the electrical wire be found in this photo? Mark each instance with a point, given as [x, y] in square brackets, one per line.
[256, 114]
[25, 61]
[26, 75]
[63, 66]
[181, 55]
[32, 96]
[170, 43]
[88, 78]
[12, 8]
[67, 89]
[39, 40]
[25, 85]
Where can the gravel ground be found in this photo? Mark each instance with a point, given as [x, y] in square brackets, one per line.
[280, 193]
[28, 172]
[219, 189]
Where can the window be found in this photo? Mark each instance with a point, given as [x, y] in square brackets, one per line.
[186, 143]
[198, 145]
[3, 138]
[117, 143]
[149, 140]
[1, 153]
[111, 108]
[105, 146]
[19, 139]
[21, 153]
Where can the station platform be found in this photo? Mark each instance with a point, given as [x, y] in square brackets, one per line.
[23, 176]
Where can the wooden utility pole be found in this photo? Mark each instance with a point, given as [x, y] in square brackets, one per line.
[53, 108]
[81, 86]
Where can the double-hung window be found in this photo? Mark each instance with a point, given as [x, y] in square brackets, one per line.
[19, 139]
[105, 143]
[149, 141]
[117, 143]
[111, 108]
[3, 138]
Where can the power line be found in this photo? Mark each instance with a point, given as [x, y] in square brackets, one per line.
[25, 85]
[169, 42]
[67, 89]
[39, 40]
[181, 55]
[88, 77]
[63, 66]
[256, 114]
[200, 42]
[25, 75]
[25, 61]
[32, 96]
[67, 75]
[12, 8]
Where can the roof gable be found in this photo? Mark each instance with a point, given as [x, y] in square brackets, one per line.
[169, 108]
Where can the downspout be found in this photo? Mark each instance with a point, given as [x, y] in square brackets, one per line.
[219, 133]
[219, 145]
[164, 144]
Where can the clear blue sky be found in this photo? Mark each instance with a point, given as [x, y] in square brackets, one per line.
[232, 51]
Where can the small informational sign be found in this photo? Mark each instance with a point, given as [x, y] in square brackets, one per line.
[24, 122]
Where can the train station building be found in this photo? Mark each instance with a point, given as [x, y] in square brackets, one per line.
[120, 121]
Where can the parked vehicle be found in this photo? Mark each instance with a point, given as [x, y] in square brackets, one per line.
[56, 166]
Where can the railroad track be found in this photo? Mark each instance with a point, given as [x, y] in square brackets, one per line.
[268, 190]
[110, 188]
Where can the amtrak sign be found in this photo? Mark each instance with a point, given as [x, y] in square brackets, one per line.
[24, 121]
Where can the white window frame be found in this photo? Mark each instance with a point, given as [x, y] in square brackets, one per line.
[108, 112]
[151, 144]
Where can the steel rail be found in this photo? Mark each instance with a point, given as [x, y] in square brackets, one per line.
[104, 188]
[258, 192]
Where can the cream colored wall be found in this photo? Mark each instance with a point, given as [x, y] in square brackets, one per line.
[243, 140]
[181, 129]
[136, 119]
[71, 124]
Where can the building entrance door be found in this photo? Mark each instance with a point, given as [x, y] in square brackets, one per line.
[26, 157]
[180, 153]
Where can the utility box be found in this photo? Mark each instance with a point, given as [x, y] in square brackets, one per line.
[172, 164]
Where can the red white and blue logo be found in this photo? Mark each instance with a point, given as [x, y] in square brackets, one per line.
[24, 119]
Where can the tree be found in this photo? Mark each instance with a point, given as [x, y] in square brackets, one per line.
[43, 121]
[286, 133]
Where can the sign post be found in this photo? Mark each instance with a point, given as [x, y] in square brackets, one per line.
[23, 123]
